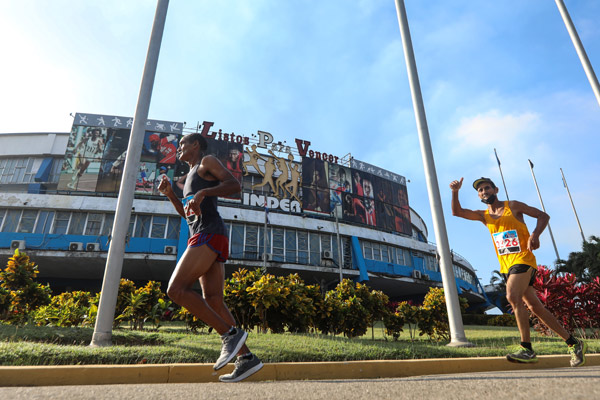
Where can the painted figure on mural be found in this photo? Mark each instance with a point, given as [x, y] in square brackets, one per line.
[89, 148]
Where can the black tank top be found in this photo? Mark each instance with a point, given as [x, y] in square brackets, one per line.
[210, 221]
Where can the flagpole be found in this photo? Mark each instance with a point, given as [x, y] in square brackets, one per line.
[572, 204]
[500, 168]
[585, 61]
[544, 209]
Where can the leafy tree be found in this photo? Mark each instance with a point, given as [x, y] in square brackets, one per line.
[585, 264]
[24, 294]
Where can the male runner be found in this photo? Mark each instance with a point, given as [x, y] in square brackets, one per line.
[207, 250]
[514, 246]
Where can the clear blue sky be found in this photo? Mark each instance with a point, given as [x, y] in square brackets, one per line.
[494, 74]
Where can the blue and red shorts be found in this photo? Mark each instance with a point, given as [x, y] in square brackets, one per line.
[217, 243]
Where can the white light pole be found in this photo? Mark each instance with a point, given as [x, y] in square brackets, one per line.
[585, 61]
[457, 331]
[116, 251]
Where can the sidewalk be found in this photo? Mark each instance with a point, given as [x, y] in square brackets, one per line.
[203, 373]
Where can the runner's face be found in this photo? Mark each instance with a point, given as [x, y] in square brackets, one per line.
[185, 150]
[485, 190]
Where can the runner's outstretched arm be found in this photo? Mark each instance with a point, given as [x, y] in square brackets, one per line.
[457, 209]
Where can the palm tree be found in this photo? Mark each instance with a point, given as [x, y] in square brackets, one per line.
[498, 280]
[585, 264]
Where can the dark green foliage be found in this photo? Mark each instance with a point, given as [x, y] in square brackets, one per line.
[584, 264]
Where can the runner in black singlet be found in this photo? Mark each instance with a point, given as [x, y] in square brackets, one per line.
[208, 249]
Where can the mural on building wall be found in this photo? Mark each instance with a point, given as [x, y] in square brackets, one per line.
[97, 147]
[316, 183]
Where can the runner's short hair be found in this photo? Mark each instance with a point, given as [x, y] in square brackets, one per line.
[196, 137]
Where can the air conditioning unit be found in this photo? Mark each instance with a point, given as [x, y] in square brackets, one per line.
[75, 246]
[416, 274]
[92, 247]
[327, 255]
[426, 277]
[170, 250]
[17, 244]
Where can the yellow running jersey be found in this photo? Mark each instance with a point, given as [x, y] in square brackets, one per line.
[510, 238]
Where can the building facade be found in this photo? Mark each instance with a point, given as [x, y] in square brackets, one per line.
[302, 211]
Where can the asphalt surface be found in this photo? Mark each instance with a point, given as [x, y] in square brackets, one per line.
[556, 383]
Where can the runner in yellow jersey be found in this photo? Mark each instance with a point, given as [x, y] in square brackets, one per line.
[514, 248]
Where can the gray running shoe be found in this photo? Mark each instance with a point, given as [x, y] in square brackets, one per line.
[243, 369]
[522, 355]
[231, 346]
[577, 352]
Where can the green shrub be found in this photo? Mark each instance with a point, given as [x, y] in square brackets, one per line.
[352, 300]
[239, 300]
[329, 318]
[24, 294]
[65, 309]
[143, 304]
[433, 320]
[411, 315]
[394, 324]
[192, 323]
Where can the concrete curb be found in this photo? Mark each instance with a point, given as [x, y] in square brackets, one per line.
[204, 373]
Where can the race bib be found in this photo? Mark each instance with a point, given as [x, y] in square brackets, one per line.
[189, 214]
[507, 242]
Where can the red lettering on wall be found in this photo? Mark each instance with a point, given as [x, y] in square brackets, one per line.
[206, 129]
[302, 146]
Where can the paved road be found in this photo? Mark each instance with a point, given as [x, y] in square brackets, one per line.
[557, 383]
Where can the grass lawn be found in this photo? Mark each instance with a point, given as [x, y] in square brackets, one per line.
[30, 345]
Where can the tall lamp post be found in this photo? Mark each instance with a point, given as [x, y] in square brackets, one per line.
[116, 251]
[457, 331]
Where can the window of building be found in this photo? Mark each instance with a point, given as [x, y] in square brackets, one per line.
[61, 222]
[109, 220]
[303, 247]
[159, 226]
[16, 170]
[173, 228]
[11, 221]
[367, 250]
[142, 226]
[251, 244]
[261, 241]
[237, 241]
[55, 170]
[402, 257]
[376, 251]
[77, 223]
[385, 254]
[44, 221]
[314, 248]
[94, 223]
[334, 249]
[278, 244]
[27, 222]
[290, 245]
